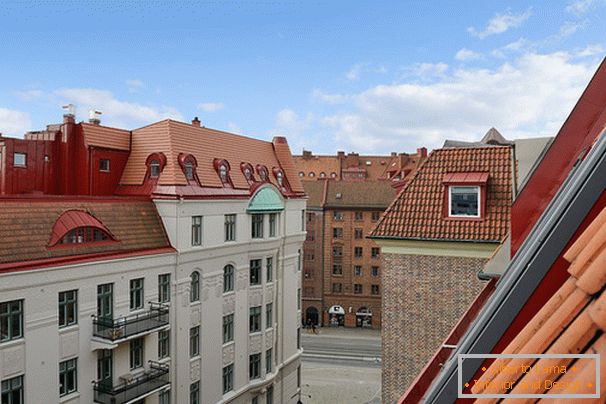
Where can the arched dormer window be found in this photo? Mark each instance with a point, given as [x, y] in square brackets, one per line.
[312, 174]
[301, 174]
[280, 178]
[247, 170]
[194, 293]
[155, 163]
[333, 175]
[263, 173]
[189, 164]
[322, 174]
[78, 227]
[222, 168]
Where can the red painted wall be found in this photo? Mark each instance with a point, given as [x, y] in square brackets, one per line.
[584, 124]
[37, 175]
[105, 183]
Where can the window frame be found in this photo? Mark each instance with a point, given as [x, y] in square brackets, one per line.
[163, 344]
[255, 276]
[228, 278]
[164, 288]
[136, 353]
[11, 317]
[194, 342]
[228, 378]
[228, 328]
[15, 154]
[273, 224]
[269, 269]
[269, 315]
[13, 387]
[194, 392]
[257, 222]
[254, 366]
[196, 231]
[66, 305]
[254, 319]
[194, 287]
[68, 371]
[137, 294]
[269, 360]
[478, 188]
[230, 227]
[104, 165]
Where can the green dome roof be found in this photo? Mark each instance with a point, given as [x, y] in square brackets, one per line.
[266, 200]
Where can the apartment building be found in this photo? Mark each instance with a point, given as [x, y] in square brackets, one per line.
[168, 277]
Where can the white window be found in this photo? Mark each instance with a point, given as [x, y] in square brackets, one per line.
[464, 201]
[20, 159]
[104, 165]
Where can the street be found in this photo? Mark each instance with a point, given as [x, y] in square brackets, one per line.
[341, 366]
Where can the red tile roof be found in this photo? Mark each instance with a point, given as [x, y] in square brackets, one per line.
[27, 224]
[106, 137]
[572, 321]
[173, 138]
[418, 211]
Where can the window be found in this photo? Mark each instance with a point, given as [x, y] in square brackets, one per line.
[299, 259]
[301, 174]
[374, 289]
[154, 169]
[255, 272]
[312, 174]
[303, 220]
[194, 393]
[337, 251]
[376, 216]
[269, 315]
[375, 271]
[268, 361]
[359, 216]
[269, 269]
[196, 230]
[194, 293]
[189, 170]
[272, 225]
[337, 232]
[84, 235]
[336, 215]
[257, 226]
[230, 227]
[136, 294]
[11, 320]
[228, 328]
[223, 172]
[280, 178]
[464, 201]
[12, 390]
[163, 344]
[228, 378]
[105, 301]
[299, 298]
[164, 288]
[337, 269]
[322, 174]
[298, 338]
[228, 278]
[358, 270]
[358, 251]
[358, 289]
[299, 376]
[336, 287]
[254, 319]
[104, 165]
[164, 397]
[269, 396]
[247, 170]
[194, 341]
[68, 377]
[255, 400]
[68, 308]
[19, 159]
[254, 366]
[136, 353]
[333, 175]
[375, 252]
[358, 233]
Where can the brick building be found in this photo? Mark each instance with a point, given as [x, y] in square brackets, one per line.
[435, 237]
[347, 194]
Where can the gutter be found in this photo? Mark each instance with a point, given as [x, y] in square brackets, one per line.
[552, 232]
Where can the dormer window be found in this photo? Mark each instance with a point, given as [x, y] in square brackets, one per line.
[280, 178]
[322, 174]
[189, 171]
[223, 172]
[465, 195]
[312, 174]
[222, 167]
[154, 169]
[188, 165]
[333, 175]
[247, 170]
[263, 173]
[78, 227]
[301, 174]
[155, 163]
[84, 235]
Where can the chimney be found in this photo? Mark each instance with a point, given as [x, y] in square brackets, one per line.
[70, 113]
[394, 154]
[195, 122]
[422, 151]
[307, 154]
[94, 117]
[341, 153]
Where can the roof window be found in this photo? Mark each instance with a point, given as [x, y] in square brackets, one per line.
[155, 163]
[189, 165]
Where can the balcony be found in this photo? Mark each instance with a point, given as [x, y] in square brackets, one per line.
[127, 327]
[152, 380]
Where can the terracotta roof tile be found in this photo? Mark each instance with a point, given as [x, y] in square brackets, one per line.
[104, 136]
[363, 194]
[418, 211]
[172, 138]
[315, 192]
[572, 321]
[26, 227]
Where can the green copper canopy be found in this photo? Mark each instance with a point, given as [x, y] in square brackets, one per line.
[266, 200]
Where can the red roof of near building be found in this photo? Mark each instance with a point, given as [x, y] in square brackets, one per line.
[418, 211]
[27, 225]
[465, 178]
[106, 137]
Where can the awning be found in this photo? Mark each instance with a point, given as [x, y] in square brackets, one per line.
[336, 310]
[465, 178]
[264, 201]
[364, 313]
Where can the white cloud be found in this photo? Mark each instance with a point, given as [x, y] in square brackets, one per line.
[510, 47]
[466, 54]
[328, 98]
[354, 73]
[427, 70]
[14, 123]
[134, 85]
[570, 27]
[591, 50]
[116, 112]
[288, 123]
[530, 96]
[30, 95]
[501, 23]
[580, 7]
[234, 128]
[210, 106]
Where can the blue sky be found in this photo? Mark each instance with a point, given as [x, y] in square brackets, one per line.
[365, 76]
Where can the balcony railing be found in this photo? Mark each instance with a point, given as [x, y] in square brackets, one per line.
[127, 326]
[152, 379]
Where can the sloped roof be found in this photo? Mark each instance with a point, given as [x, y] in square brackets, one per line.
[106, 137]
[572, 321]
[418, 211]
[494, 137]
[172, 138]
[361, 194]
[315, 192]
[26, 227]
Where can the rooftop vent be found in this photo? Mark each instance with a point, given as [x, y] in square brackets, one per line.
[339, 195]
[94, 116]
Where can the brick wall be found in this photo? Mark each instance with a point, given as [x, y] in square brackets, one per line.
[423, 298]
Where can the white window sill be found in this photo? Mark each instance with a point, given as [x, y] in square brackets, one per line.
[69, 397]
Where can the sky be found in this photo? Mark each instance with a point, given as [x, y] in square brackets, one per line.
[359, 76]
